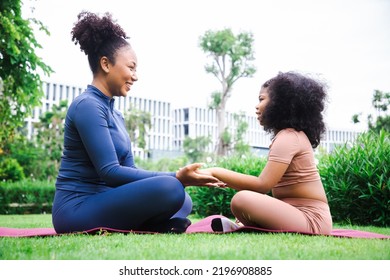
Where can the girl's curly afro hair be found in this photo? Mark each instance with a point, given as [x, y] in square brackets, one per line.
[295, 101]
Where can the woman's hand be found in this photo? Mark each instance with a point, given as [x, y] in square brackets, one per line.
[191, 175]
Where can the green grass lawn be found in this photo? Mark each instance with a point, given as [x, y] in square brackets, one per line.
[199, 246]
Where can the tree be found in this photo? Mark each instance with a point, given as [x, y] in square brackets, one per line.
[240, 146]
[195, 148]
[231, 58]
[20, 82]
[31, 157]
[138, 122]
[50, 135]
[381, 103]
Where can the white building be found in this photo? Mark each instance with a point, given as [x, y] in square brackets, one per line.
[171, 126]
[194, 122]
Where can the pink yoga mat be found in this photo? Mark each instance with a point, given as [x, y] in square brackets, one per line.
[202, 226]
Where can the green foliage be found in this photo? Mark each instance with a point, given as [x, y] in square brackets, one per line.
[40, 156]
[226, 139]
[357, 180]
[381, 103]
[50, 136]
[26, 153]
[232, 138]
[240, 147]
[20, 82]
[11, 170]
[26, 197]
[210, 201]
[247, 164]
[195, 148]
[137, 123]
[216, 99]
[231, 55]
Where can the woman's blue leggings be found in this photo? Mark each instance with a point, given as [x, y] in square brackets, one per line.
[135, 206]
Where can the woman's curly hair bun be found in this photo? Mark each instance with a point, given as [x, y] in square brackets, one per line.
[91, 31]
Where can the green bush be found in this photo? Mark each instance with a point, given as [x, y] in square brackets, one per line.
[357, 180]
[209, 201]
[26, 197]
[33, 158]
[10, 169]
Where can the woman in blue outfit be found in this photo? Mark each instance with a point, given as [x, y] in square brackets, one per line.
[98, 184]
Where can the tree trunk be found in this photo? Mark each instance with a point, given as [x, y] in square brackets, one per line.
[221, 147]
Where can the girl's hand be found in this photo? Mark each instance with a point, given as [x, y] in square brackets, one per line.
[209, 172]
[205, 171]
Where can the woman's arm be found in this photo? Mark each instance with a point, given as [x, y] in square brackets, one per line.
[269, 177]
[91, 121]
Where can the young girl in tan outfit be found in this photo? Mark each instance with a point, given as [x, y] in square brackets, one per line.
[290, 108]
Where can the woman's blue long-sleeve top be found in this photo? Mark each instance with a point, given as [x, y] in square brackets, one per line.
[97, 149]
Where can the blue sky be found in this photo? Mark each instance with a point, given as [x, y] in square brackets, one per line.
[345, 43]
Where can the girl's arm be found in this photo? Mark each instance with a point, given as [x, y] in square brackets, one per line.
[269, 177]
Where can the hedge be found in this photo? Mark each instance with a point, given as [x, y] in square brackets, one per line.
[26, 197]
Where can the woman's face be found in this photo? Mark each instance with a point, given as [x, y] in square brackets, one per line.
[263, 101]
[122, 74]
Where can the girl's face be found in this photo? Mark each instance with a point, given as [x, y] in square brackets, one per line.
[263, 101]
[122, 74]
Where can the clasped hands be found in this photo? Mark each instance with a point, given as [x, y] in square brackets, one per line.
[191, 175]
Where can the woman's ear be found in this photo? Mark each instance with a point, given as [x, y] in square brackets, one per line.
[105, 64]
